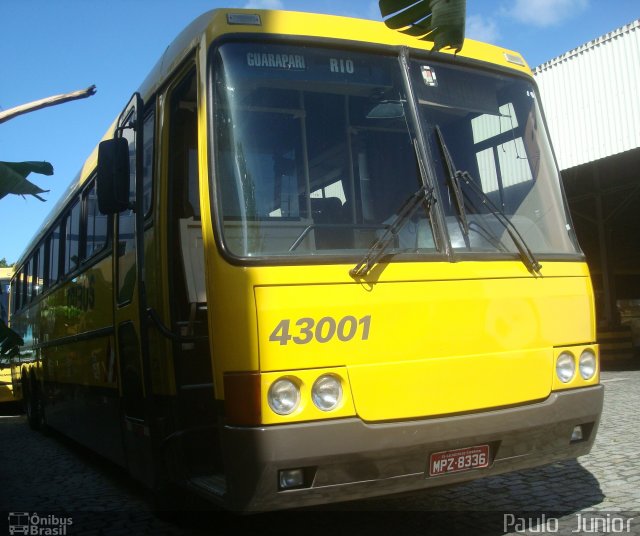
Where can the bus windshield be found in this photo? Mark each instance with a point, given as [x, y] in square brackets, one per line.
[488, 128]
[315, 154]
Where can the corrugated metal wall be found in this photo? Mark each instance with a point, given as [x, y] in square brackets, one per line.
[591, 97]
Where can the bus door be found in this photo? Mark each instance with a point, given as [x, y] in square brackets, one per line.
[129, 303]
[196, 413]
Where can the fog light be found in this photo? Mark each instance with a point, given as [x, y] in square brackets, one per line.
[291, 478]
[587, 364]
[565, 367]
[576, 434]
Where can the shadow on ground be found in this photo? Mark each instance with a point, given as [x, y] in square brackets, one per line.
[443, 511]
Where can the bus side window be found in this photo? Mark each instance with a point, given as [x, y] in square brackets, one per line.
[96, 224]
[19, 290]
[29, 281]
[13, 294]
[54, 255]
[72, 239]
[39, 283]
[147, 161]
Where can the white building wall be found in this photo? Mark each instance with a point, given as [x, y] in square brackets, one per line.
[591, 97]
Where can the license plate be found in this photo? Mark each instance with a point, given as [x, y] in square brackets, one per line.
[455, 461]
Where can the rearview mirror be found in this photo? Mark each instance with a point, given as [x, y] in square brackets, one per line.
[386, 110]
[113, 176]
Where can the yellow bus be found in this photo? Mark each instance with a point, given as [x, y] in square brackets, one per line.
[314, 260]
[5, 278]
[8, 339]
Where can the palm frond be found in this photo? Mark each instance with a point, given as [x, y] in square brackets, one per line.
[440, 21]
[13, 178]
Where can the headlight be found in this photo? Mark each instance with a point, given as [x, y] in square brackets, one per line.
[283, 396]
[565, 367]
[587, 364]
[327, 392]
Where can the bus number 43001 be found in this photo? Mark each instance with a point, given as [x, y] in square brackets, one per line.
[327, 328]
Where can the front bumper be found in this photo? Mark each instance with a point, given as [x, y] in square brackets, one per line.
[350, 459]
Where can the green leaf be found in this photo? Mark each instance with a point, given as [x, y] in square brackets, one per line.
[9, 339]
[13, 178]
[440, 21]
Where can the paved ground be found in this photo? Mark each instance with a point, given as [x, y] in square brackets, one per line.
[55, 479]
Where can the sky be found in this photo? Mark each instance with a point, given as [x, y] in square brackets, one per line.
[51, 47]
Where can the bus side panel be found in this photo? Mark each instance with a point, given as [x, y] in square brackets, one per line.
[81, 402]
[80, 371]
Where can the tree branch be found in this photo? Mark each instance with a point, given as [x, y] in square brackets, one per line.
[43, 103]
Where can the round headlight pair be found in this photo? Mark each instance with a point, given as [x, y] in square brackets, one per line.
[284, 394]
[566, 365]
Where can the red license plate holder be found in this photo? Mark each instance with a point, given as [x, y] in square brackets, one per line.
[458, 460]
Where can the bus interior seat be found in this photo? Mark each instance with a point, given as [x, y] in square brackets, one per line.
[193, 263]
[326, 209]
[329, 210]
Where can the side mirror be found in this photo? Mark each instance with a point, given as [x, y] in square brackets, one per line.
[113, 176]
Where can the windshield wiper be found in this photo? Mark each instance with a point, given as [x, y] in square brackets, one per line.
[423, 196]
[455, 177]
[526, 254]
[454, 184]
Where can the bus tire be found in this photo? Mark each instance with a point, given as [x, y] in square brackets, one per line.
[24, 385]
[33, 403]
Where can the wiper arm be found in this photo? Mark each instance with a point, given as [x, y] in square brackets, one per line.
[526, 254]
[423, 196]
[455, 177]
[454, 182]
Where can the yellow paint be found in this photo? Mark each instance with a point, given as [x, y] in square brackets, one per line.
[315, 25]
[417, 319]
[6, 384]
[444, 385]
[482, 337]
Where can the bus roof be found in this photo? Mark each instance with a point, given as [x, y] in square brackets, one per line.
[216, 23]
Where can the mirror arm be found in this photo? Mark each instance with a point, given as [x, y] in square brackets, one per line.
[130, 125]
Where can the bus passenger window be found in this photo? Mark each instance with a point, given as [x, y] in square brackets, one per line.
[96, 224]
[147, 162]
[28, 281]
[72, 239]
[39, 284]
[14, 294]
[21, 289]
[54, 255]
